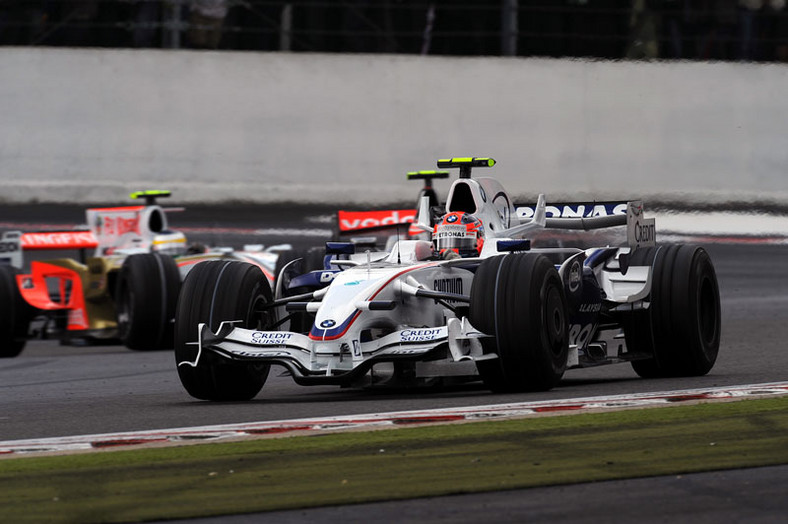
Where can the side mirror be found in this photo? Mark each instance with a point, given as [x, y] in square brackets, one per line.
[340, 248]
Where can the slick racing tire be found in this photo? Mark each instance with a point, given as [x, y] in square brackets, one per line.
[146, 295]
[15, 315]
[213, 292]
[519, 300]
[681, 327]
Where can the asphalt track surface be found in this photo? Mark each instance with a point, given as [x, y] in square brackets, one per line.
[741, 496]
[52, 390]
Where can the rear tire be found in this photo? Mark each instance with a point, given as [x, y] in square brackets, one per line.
[146, 296]
[16, 314]
[681, 329]
[213, 292]
[519, 299]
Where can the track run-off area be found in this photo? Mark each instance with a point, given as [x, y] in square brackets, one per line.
[304, 426]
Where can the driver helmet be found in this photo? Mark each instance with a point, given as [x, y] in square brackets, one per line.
[460, 232]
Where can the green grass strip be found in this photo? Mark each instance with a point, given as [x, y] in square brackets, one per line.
[298, 472]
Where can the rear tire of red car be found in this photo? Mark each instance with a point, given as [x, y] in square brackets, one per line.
[146, 295]
[519, 299]
[681, 327]
[16, 315]
[213, 292]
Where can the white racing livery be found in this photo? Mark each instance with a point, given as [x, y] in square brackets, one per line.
[501, 309]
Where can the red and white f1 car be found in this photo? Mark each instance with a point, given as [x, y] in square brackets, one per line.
[479, 302]
[126, 289]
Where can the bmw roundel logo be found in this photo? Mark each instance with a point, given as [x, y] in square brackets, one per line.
[451, 218]
[574, 276]
[327, 323]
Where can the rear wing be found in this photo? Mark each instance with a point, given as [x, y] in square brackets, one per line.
[373, 228]
[13, 243]
[574, 209]
[353, 221]
[45, 240]
[641, 231]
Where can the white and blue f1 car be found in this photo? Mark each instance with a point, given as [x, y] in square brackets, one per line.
[508, 315]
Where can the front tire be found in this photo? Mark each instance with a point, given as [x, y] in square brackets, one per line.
[519, 299]
[146, 296]
[213, 292]
[681, 328]
[16, 314]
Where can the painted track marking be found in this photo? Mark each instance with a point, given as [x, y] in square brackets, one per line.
[132, 439]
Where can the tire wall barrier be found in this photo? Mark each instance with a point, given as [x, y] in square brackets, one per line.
[90, 125]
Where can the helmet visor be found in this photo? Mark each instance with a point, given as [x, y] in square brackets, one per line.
[462, 244]
[454, 237]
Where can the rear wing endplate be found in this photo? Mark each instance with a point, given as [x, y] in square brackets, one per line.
[11, 248]
[641, 231]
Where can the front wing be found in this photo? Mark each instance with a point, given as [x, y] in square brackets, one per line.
[342, 360]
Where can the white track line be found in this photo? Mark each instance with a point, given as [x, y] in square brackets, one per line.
[132, 439]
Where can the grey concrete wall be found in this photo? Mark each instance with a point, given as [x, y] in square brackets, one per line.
[92, 125]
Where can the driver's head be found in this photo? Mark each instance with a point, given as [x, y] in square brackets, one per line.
[460, 232]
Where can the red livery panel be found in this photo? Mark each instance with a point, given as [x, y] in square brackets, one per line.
[356, 220]
[59, 240]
